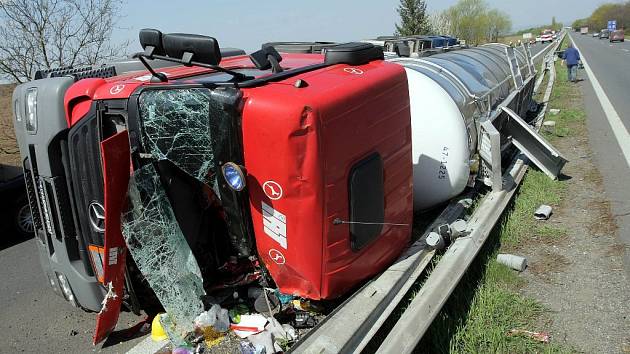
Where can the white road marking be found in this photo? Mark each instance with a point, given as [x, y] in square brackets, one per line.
[619, 130]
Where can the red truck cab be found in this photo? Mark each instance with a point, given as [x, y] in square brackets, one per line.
[296, 164]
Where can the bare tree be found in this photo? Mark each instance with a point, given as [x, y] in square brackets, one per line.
[440, 23]
[44, 34]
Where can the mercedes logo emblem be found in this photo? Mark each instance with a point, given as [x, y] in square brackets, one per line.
[97, 216]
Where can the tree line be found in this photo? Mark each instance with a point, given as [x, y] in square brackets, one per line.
[604, 13]
[471, 20]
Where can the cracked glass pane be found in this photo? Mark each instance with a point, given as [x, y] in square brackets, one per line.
[160, 250]
[176, 127]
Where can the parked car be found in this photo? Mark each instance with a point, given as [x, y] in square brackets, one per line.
[538, 39]
[604, 34]
[617, 35]
[596, 34]
[16, 210]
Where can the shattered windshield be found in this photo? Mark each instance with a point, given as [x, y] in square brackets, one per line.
[177, 127]
[158, 247]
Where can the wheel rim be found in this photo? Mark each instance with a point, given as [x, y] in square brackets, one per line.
[25, 220]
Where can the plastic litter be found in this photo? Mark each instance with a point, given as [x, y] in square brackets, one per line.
[265, 339]
[157, 332]
[542, 337]
[249, 348]
[306, 305]
[223, 321]
[549, 126]
[182, 350]
[250, 324]
[267, 303]
[207, 318]
[554, 111]
[210, 325]
[236, 312]
[515, 262]
[284, 298]
[543, 212]
[275, 338]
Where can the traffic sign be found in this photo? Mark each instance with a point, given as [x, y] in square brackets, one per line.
[612, 25]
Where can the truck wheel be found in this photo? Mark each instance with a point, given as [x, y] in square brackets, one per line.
[22, 218]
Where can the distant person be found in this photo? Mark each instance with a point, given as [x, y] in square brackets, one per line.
[571, 57]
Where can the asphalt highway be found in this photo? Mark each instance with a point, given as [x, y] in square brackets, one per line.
[609, 121]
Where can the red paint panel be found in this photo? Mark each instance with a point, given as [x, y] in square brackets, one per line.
[307, 143]
[81, 91]
[115, 155]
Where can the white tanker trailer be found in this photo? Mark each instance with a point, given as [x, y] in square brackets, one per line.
[451, 94]
[466, 106]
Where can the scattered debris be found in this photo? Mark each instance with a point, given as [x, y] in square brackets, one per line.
[249, 325]
[543, 212]
[515, 262]
[236, 312]
[157, 332]
[554, 111]
[458, 228]
[542, 337]
[249, 348]
[303, 320]
[435, 240]
[267, 303]
[549, 126]
[284, 298]
[73, 332]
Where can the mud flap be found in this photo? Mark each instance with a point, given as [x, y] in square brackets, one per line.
[115, 156]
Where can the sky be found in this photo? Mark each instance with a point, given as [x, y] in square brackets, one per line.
[247, 24]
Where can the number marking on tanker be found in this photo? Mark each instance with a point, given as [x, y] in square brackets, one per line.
[443, 171]
[275, 224]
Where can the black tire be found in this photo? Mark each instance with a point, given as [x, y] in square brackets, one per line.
[22, 218]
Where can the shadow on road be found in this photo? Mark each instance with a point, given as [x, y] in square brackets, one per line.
[11, 238]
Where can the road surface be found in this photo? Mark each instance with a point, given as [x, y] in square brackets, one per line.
[32, 318]
[610, 65]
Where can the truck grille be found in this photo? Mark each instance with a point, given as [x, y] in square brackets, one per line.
[87, 174]
[31, 194]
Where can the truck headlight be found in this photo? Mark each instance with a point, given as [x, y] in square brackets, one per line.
[17, 111]
[31, 110]
[234, 176]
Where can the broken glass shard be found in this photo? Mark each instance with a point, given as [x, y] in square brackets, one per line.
[177, 127]
[160, 250]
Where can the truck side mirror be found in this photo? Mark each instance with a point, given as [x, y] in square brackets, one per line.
[192, 47]
[151, 42]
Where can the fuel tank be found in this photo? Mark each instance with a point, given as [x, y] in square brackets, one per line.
[449, 94]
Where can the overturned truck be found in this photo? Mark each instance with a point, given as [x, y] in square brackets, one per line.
[192, 168]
